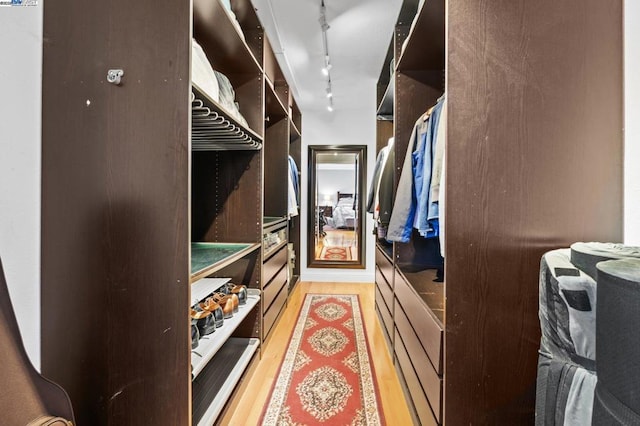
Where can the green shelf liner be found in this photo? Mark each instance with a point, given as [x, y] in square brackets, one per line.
[203, 255]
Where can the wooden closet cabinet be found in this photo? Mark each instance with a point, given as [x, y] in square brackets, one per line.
[533, 162]
[145, 212]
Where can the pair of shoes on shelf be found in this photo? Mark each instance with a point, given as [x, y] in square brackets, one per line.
[237, 289]
[228, 302]
[212, 306]
[204, 321]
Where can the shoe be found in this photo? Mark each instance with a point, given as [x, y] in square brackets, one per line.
[204, 320]
[226, 301]
[212, 306]
[239, 290]
[195, 335]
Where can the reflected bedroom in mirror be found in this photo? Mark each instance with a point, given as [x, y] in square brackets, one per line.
[336, 185]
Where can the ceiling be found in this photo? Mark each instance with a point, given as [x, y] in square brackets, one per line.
[358, 38]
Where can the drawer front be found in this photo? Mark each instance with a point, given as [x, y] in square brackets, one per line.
[385, 313]
[271, 314]
[419, 399]
[424, 322]
[385, 332]
[273, 288]
[429, 379]
[384, 286]
[386, 267]
[273, 265]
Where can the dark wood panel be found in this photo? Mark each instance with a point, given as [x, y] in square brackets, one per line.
[424, 322]
[385, 309]
[383, 133]
[385, 265]
[226, 196]
[534, 162]
[429, 27]
[273, 265]
[429, 379]
[294, 222]
[276, 167]
[275, 111]
[273, 288]
[272, 314]
[221, 41]
[430, 288]
[115, 179]
[418, 398]
[385, 332]
[384, 287]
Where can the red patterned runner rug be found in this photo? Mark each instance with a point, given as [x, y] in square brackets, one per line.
[327, 376]
[335, 253]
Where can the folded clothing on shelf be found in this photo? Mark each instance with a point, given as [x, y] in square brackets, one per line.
[228, 97]
[202, 73]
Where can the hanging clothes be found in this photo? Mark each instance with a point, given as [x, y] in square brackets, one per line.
[385, 195]
[413, 207]
[293, 189]
[372, 198]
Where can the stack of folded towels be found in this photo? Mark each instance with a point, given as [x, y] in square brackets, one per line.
[576, 283]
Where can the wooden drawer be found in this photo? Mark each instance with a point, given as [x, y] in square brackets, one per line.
[271, 314]
[430, 380]
[272, 265]
[419, 399]
[385, 332]
[273, 288]
[386, 267]
[384, 286]
[385, 313]
[423, 321]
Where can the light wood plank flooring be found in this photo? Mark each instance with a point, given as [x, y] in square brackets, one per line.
[252, 397]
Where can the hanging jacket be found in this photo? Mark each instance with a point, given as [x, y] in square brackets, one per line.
[375, 182]
[385, 192]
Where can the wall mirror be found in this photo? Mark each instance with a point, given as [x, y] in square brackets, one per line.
[337, 176]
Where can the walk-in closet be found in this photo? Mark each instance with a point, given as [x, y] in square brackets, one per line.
[291, 212]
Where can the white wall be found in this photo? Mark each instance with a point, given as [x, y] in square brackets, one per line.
[20, 126]
[340, 127]
[632, 123]
[330, 181]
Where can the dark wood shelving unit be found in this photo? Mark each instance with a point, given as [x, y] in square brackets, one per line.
[517, 115]
[150, 209]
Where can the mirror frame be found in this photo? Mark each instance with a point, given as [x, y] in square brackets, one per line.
[361, 152]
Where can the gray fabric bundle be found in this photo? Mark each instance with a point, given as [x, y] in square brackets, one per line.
[564, 393]
[617, 399]
[585, 256]
[567, 310]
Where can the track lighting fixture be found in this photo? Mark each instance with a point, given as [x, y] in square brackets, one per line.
[327, 61]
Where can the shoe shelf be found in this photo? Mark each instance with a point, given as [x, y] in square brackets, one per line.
[214, 386]
[204, 287]
[209, 345]
[207, 258]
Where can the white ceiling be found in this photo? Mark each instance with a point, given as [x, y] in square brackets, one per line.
[359, 35]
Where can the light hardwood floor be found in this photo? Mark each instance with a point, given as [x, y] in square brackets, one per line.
[252, 397]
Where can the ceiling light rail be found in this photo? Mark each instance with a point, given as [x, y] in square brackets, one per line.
[326, 69]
